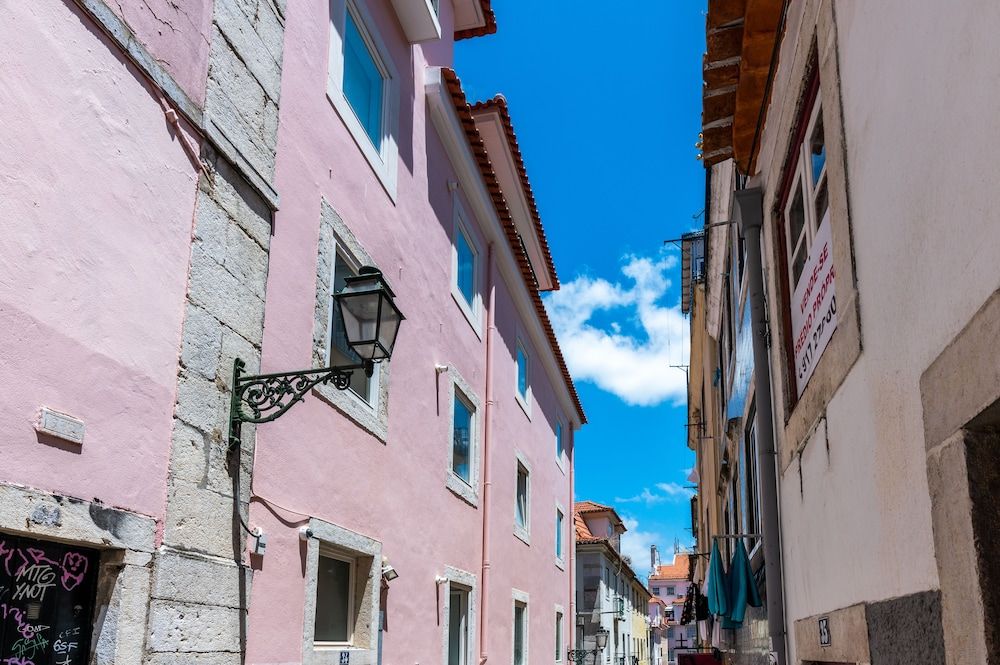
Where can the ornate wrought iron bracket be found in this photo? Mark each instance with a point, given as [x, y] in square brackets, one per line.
[261, 398]
[579, 655]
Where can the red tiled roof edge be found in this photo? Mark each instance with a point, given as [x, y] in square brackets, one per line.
[500, 104]
[488, 28]
[464, 112]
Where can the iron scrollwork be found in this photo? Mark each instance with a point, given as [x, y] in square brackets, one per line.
[579, 655]
[261, 398]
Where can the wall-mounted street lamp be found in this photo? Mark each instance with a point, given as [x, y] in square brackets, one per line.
[370, 321]
[578, 655]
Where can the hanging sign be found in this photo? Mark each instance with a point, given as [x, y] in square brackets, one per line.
[814, 306]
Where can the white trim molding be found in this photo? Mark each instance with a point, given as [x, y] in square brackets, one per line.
[519, 597]
[467, 491]
[465, 581]
[523, 532]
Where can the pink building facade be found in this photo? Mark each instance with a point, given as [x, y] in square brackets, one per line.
[188, 185]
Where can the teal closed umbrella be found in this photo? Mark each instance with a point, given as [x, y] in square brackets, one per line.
[742, 588]
[718, 585]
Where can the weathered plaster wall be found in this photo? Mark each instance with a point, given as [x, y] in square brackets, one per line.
[96, 198]
[857, 500]
[176, 33]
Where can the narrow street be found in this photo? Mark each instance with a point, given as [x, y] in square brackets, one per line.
[496, 332]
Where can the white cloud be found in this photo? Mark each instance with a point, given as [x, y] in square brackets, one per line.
[636, 368]
[635, 545]
[673, 492]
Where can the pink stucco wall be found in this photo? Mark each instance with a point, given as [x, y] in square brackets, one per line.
[318, 463]
[176, 34]
[96, 202]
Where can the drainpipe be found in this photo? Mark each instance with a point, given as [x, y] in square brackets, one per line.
[484, 584]
[750, 212]
[570, 544]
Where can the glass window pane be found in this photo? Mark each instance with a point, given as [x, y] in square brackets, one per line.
[462, 441]
[798, 263]
[822, 203]
[817, 150]
[559, 530]
[341, 352]
[522, 497]
[333, 600]
[522, 372]
[796, 217]
[457, 628]
[466, 268]
[363, 82]
[518, 635]
[558, 636]
[559, 441]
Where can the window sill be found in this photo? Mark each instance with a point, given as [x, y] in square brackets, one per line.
[523, 534]
[523, 403]
[370, 418]
[561, 564]
[475, 321]
[462, 490]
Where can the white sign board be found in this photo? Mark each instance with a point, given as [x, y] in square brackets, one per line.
[814, 306]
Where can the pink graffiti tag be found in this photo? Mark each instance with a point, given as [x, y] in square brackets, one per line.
[74, 567]
[26, 630]
[17, 661]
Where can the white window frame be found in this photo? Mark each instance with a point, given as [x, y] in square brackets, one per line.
[463, 581]
[802, 182]
[520, 598]
[327, 552]
[523, 532]
[560, 553]
[473, 311]
[561, 454]
[383, 158]
[523, 400]
[343, 543]
[337, 239]
[467, 491]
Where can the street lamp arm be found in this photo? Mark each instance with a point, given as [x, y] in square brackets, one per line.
[261, 398]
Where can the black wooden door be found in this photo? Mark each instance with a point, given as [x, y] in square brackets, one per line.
[47, 593]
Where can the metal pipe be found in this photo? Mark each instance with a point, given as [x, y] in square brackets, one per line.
[750, 211]
[484, 598]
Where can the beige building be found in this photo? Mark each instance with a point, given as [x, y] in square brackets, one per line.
[851, 250]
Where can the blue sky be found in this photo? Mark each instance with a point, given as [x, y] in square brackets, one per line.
[607, 107]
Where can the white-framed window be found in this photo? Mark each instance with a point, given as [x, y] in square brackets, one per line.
[522, 377]
[363, 86]
[341, 255]
[522, 500]
[559, 634]
[560, 442]
[671, 591]
[463, 439]
[560, 529]
[465, 270]
[808, 200]
[342, 584]
[335, 611]
[520, 625]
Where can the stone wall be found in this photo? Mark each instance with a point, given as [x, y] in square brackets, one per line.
[201, 579]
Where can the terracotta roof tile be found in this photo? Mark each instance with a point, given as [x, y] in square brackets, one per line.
[464, 111]
[488, 28]
[499, 104]
[678, 570]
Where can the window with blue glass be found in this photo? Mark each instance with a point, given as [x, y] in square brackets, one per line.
[364, 82]
[465, 267]
[522, 372]
[462, 433]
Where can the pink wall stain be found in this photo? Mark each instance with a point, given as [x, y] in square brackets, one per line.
[96, 198]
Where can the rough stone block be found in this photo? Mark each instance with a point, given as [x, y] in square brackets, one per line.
[120, 638]
[257, 55]
[202, 403]
[202, 458]
[225, 297]
[212, 658]
[180, 628]
[197, 579]
[243, 205]
[202, 342]
[198, 520]
[246, 259]
[907, 630]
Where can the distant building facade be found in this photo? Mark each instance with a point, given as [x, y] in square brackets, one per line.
[610, 596]
[669, 585]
